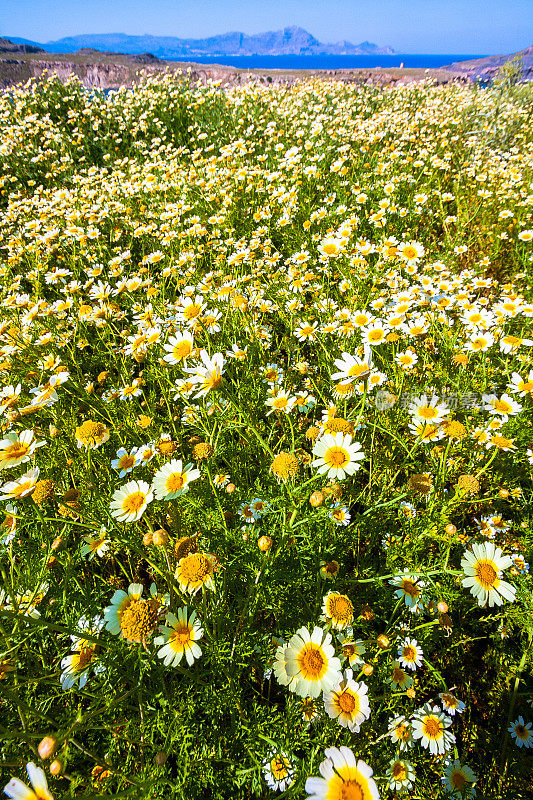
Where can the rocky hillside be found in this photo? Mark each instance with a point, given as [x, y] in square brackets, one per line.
[487, 68]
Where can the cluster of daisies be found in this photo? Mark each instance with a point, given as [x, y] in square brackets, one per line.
[195, 399]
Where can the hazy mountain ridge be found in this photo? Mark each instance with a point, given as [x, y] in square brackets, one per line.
[289, 41]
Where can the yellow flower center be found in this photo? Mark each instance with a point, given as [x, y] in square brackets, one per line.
[91, 433]
[410, 588]
[139, 619]
[127, 461]
[339, 608]
[399, 771]
[180, 637]
[312, 662]
[195, 567]
[16, 450]
[285, 465]
[182, 350]
[486, 573]
[458, 780]
[376, 336]
[279, 768]
[336, 457]
[521, 732]
[409, 252]
[427, 412]
[174, 483]
[348, 702]
[409, 653]
[432, 728]
[134, 502]
[398, 675]
[82, 658]
[192, 311]
[346, 790]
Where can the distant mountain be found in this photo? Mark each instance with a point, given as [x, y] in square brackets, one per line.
[289, 41]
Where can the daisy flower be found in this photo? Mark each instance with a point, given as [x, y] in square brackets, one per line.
[424, 409]
[77, 665]
[483, 567]
[17, 448]
[459, 780]
[173, 479]
[208, 374]
[343, 777]
[278, 771]
[130, 501]
[400, 731]
[282, 403]
[479, 342]
[347, 702]
[375, 333]
[410, 252]
[196, 571]
[337, 609]
[350, 368]
[409, 588]
[310, 659]
[96, 545]
[337, 456]
[510, 344]
[179, 347]
[91, 435]
[21, 487]
[352, 649]
[451, 704]
[430, 727]
[425, 431]
[179, 638]
[401, 775]
[339, 514]
[130, 615]
[521, 733]
[410, 654]
[522, 386]
[8, 526]
[504, 405]
[399, 678]
[18, 790]
[125, 461]
[407, 359]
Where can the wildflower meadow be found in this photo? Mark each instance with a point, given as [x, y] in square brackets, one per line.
[266, 392]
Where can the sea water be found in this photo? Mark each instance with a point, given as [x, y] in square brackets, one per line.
[421, 61]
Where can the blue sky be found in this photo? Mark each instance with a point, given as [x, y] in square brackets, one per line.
[410, 26]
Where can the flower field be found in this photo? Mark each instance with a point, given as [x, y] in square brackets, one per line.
[266, 392]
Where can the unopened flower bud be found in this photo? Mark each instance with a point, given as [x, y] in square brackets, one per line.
[230, 488]
[159, 537]
[442, 607]
[316, 499]
[148, 539]
[383, 642]
[47, 747]
[450, 529]
[56, 767]
[160, 758]
[368, 669]
[265, 543]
